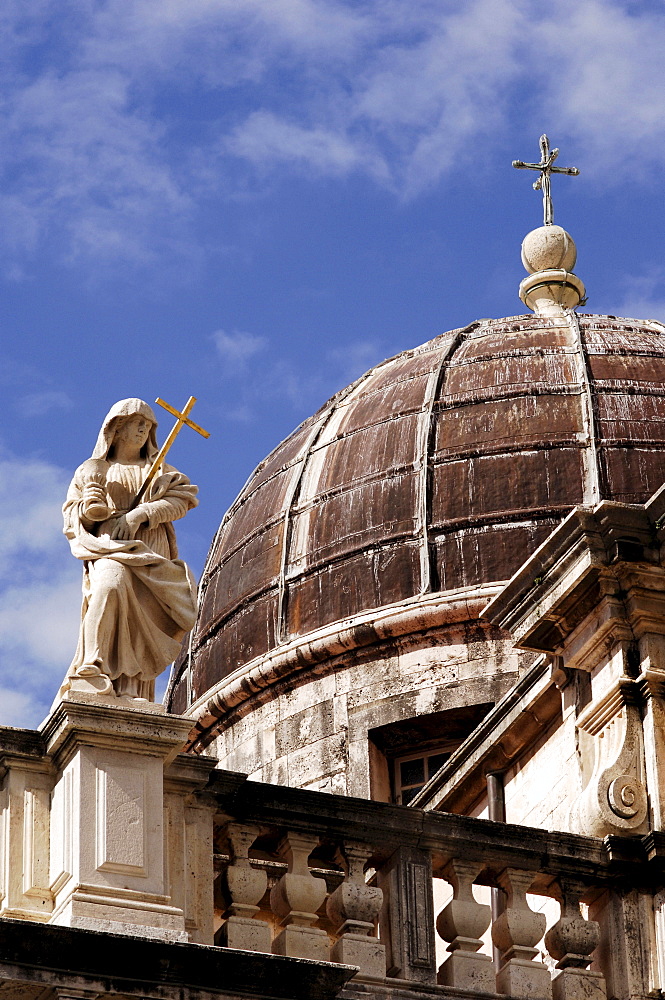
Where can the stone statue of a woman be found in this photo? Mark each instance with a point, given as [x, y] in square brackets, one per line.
[139, 599]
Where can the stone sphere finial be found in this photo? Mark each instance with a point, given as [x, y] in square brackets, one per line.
[548, 247]
[551, 289]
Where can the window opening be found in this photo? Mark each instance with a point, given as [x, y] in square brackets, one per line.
[405, 754]
[413, 771]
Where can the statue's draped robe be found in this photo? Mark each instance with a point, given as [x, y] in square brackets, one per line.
[139, 599]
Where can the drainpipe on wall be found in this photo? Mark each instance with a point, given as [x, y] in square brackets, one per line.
[496, 810]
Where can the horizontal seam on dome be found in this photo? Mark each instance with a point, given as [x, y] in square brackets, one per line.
[503, 448]
[219, 621]
[348, 487]
[528, 353]
[303, 662]
[537, 390]
[499, 519]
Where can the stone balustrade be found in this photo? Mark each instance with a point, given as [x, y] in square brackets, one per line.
[331, 878]
[169, 848]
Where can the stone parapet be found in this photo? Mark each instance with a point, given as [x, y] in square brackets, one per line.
[178, 852]
[401, 850]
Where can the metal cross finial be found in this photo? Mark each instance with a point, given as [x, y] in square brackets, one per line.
[546, 168]
[182, 419]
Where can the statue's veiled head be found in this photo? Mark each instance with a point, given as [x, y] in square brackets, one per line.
[119, 413]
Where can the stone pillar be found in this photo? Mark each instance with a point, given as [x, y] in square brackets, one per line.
[243, 887]
[571, 940]
[652, 687]
[515, 933]
[462, 923]
[188, 821]
[107, 817]
[25, 796]
[626, 948]
[407, 917]
[295, 899]
[353, 909]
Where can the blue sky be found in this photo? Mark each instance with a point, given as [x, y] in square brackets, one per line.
[253, 201]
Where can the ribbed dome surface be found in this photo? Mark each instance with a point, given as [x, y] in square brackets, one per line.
[441, 468]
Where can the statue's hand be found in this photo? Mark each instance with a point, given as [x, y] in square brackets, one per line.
[128, 524]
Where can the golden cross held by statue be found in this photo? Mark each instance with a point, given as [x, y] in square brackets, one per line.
[546, 167]
[182, 419]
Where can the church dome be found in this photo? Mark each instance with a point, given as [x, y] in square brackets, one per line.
[439, 471]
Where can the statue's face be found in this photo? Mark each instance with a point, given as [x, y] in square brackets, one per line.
[134, 431]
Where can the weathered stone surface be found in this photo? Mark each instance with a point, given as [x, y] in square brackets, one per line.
[107, 839]
[317, 735]
[407, 921]
[578, 984]
[124, 965]
[295, 900]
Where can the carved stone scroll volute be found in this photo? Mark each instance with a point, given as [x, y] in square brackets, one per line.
[615, 799]
[353, 909]
[243, 887]
[295, 899]
[515, 933]
[462, 923]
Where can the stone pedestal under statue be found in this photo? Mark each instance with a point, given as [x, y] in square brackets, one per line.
[107, 838]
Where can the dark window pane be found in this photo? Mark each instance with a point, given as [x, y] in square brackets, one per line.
[412, 772]
[407, 795]
[436, 761]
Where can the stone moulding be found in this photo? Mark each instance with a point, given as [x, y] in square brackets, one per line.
[411, 617]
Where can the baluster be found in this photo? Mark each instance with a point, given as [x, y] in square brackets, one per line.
[353, 909]
[571, 940]
[515, 933]
[462, 923]
[243, 888]
[295, 899]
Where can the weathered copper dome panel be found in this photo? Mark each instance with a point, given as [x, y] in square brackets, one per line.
[441, 468]
[506, 460]
[626, 364]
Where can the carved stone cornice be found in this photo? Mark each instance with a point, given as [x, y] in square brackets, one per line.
[602, 563]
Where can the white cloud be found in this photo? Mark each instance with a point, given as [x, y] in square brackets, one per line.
[232, 40]
[235, 349]
[98, 157]
[642, 296]
[433, 98]
[92, 164]
[265, 139]
[605, 81]
[635, 307]
[352, 361]
[302, 383]
[15, 708]
[39, 622]
[31, 497]
[40, 589]
[36, 404]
